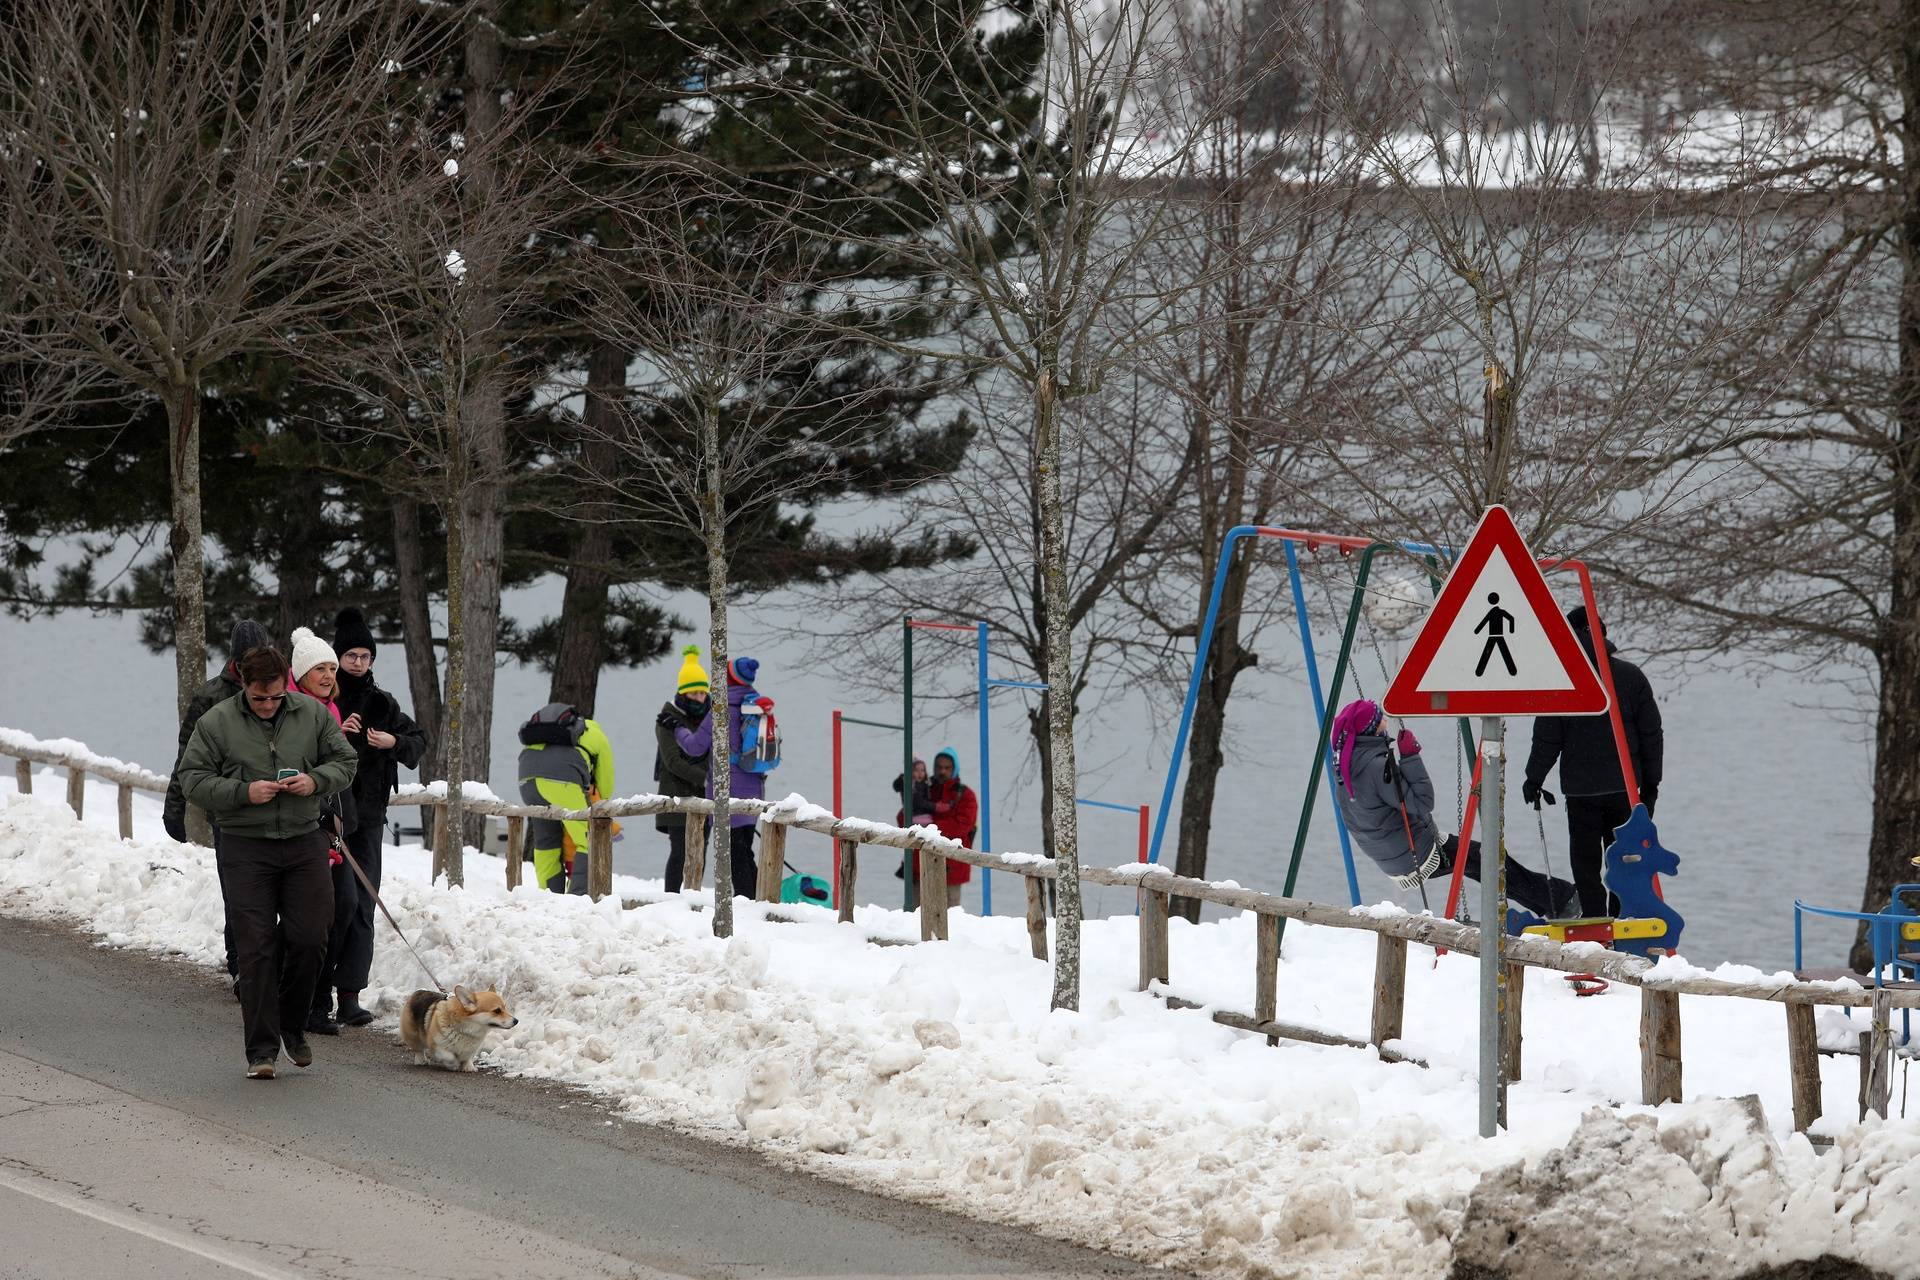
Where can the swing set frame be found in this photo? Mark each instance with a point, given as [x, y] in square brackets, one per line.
[1324, 705]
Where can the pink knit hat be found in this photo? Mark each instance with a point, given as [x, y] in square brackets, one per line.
[1356, 718]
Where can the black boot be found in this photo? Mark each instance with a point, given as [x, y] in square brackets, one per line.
[320, 1024]
[351, 1014]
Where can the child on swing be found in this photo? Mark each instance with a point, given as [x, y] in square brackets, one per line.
[1388, 807]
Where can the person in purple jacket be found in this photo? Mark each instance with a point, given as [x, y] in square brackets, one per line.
[748, 775]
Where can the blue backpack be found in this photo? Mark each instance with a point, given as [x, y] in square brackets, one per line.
[758, 750]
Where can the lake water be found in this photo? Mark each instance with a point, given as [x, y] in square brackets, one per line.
[1766, 795]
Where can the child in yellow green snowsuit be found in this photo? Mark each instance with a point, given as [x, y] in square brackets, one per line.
[564, 756]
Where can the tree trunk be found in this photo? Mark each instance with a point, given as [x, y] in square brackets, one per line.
[1896, 763]
[483, 438]
[1062, 774]
[715, 520]
[453, 865]
[299, 559]
[416, 625]
[582, 649]
[187, 543]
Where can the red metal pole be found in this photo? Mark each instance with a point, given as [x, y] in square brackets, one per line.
[834, 898]
[1146, 833]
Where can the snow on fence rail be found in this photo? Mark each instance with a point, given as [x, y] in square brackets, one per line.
[1661, 983]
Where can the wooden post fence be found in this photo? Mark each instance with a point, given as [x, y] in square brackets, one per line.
[773, 861]
[1153, 937]
[516, 850]
[849, 871]
[1389, 989]
[1803, 1065]
[77, 790]
[1659, 1046]
[599, 857]
[696, 868]
[125, 799]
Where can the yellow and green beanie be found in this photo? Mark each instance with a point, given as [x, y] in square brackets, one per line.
[693, 676]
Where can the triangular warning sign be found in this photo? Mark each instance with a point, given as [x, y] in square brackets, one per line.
[1495, 643]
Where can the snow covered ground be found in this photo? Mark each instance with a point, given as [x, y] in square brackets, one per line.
[936, 1073]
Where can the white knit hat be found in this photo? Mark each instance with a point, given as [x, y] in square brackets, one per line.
[309, 651]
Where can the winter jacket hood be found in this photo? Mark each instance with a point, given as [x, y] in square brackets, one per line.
[1396, 838]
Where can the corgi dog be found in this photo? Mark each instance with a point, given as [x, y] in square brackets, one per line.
[447, 1030]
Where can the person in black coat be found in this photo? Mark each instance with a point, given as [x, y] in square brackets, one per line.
[675, 772]
[385, 738]
[1589, 760]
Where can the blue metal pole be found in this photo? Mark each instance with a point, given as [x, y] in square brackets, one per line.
[986, 781]
[1193, 685]
[1320, 713]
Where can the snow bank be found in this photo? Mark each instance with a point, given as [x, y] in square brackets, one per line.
[936, 1072]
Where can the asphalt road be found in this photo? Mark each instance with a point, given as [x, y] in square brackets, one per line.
[131, 1144]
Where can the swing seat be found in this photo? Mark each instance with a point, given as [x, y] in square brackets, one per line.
[1605, 930]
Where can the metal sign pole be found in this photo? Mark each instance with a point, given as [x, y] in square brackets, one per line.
[1493, 919]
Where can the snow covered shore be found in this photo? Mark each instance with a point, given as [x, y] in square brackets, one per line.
[936, 1073]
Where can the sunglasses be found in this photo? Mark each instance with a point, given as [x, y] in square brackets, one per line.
[266, 699]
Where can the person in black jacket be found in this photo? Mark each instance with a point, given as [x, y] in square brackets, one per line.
[1590, 777]
[385, 738]
[173, 815]
[676, 772]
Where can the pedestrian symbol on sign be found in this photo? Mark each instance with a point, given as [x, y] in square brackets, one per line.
[1496, 624]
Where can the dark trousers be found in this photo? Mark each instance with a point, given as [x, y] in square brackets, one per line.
[356, 949]
[220, 872]
[676, 857]
[280, 900]
[1542, 895]
[746, 875]
[1591, 821]
[346, 902]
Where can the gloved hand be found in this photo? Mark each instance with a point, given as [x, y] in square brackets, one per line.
[667, 720]
[1650, 796]
[1532, 793]
[1408, 744]
[1424, 871]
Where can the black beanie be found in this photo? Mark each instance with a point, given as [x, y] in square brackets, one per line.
[1576, 618]
[248, 635]
[350, 631]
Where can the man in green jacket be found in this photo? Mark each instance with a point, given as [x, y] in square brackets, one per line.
[260, 764]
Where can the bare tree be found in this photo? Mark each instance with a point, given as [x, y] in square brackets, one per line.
[455, 262]
[710, 289]
[1278, 269]
[1065, 171]
[174, 180]
[1577, 301]
[1809, 555]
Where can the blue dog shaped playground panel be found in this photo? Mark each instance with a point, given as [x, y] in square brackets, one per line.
[1634, 858]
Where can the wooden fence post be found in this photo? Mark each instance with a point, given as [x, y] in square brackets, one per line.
[1036, 916]
[1659, 1046]
[1510, 1023]
[933, 895]
[1876, 1068]
[126, 811]
[599, 857]
[516, 850]
[849, 867]
[440, 834]
[696, 868]
[773, 862]
[1266, 971]
[1803, 1065]
[1389, 989]
[23, 776]
[76, 789]
[1153, 938]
